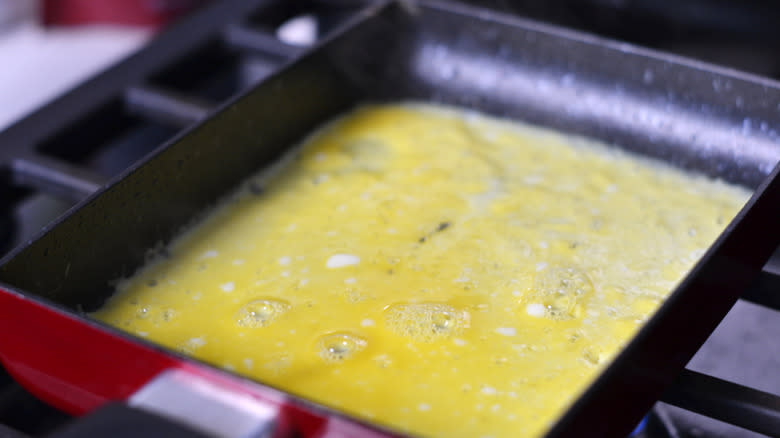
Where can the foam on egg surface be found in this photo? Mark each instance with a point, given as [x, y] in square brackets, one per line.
[435, 271]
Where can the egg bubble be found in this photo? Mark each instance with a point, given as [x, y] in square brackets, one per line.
[426, 321]
[142, 313]
[561, 290]
[161, 316]
[592, 355]
[340, 346]
[260, 313]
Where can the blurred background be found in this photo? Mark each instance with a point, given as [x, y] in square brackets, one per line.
[47, 46]
[76, 38]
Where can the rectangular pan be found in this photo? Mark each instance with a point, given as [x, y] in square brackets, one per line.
[715, 121]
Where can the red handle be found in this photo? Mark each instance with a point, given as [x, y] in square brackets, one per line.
[78, 366]
[70, 363]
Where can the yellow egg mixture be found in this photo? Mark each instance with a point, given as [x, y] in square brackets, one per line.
[430, 269]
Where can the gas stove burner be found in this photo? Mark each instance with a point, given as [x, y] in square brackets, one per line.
[656, 424]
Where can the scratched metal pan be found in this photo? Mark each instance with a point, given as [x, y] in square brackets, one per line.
[695, 116]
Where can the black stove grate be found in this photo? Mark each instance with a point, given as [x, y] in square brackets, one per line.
[21, 414]
[62, 153]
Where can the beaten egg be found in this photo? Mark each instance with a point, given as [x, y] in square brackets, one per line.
[433, 270]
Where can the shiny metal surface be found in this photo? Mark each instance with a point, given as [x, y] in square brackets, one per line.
[205, 406]
[698, 116]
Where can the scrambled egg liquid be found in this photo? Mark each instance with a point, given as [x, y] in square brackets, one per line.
[429, 269]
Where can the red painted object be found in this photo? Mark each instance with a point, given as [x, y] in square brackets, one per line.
[68, 363]
[78, 366]
[149, 13]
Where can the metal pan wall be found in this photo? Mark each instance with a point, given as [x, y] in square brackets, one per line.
[692, 115]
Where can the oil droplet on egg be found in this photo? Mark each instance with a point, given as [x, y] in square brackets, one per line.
[260, 313]
[337, 347]
[342, 260]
